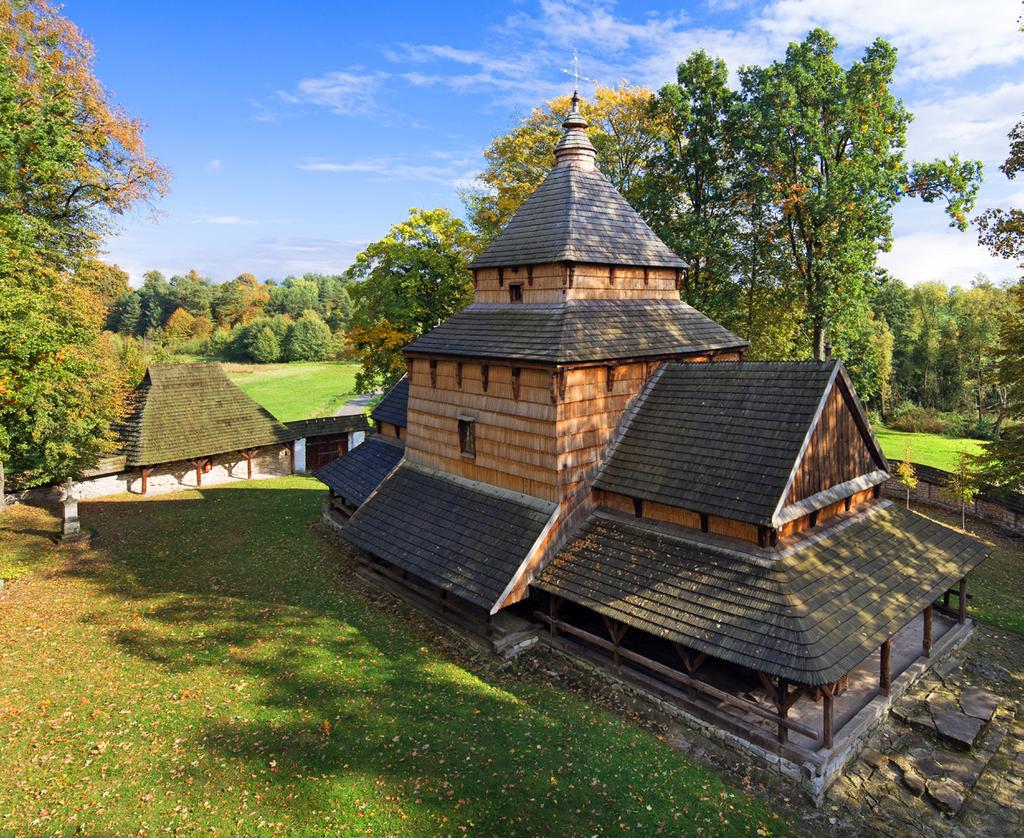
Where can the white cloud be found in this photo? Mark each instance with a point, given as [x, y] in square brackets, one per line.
[947, 255]
[937, 39]
[459, 170]
[974, 124]
[213, 166]
[208, 218]
[351, 92]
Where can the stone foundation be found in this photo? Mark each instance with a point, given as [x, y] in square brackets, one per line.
[270, 461]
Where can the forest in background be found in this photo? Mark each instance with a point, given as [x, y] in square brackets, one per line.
[778, 192]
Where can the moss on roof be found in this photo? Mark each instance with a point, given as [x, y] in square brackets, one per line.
[186, 411]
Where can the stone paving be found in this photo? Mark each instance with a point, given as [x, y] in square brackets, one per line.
[950, 761]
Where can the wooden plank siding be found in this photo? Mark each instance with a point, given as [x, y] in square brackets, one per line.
[552, 283]
[837, 451]
[653, 511]
[515, 438]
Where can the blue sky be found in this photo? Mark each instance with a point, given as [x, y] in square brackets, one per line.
[297, 133]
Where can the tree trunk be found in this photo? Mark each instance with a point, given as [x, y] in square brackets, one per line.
[908, 497]
[3, 488]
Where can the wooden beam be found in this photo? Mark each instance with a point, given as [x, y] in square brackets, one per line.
[676, 675]
[885, 668]
[961, 616]
[926, 642]
[145, 478]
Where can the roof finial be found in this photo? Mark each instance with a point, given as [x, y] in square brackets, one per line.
[575, 147]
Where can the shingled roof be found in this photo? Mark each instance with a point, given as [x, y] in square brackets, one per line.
[724, 438]
[361, 470]
[577, 330]
[576, 215]
[394, 406]
[810, 616]
[466, 538]
[185, 411]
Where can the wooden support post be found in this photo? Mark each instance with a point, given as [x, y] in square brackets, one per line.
[291, 455]
[961, 616]
[926, 643]
[692, 664]
[783, 708]
[885, 668]
[554, 603]
[617, 631]
[827, 713]
[198, 465]
[145, 478]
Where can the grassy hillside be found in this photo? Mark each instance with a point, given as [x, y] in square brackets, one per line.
[237, 682]
[299, 390]
[928, 449]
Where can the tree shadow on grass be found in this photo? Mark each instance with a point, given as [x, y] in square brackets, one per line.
[351, 717]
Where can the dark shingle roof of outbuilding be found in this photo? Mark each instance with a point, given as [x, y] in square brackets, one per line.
[574, 331]
[720, 438]
[355, 475]
[811, 615]
[465, 538]
[185, 411]
[576, 215]
[394, 406]
[327, 426]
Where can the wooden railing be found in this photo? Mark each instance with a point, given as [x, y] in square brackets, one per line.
[707, 689]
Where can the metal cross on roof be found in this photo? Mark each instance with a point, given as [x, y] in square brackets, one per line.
[575, 72]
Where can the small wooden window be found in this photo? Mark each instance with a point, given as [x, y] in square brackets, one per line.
[433, 373]
[609, 378]
[515, 382]
[638, 507]
[515, 292]
[458, 374]
[467, 437]
[485, 376]
[501, 277]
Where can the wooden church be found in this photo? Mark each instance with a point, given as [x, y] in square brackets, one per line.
[582, 448]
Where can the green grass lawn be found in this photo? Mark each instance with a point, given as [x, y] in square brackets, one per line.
[997, 587]
[205, 667]
[297, 390]
[928, 449]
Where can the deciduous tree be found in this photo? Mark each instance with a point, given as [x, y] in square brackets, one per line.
[833, 141]
[405, 284]
[70, 161]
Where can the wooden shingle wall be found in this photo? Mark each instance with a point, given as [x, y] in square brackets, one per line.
[837, 451]
[588, 414]
[515, 438]
[558, 282]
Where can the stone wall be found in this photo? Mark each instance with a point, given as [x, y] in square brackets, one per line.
[930, 490]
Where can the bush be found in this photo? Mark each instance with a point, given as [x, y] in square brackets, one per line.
[918, 420]
[974, 428]
[256, 342]
[309, 339]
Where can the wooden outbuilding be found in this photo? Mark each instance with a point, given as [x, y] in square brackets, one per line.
[190, 426]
